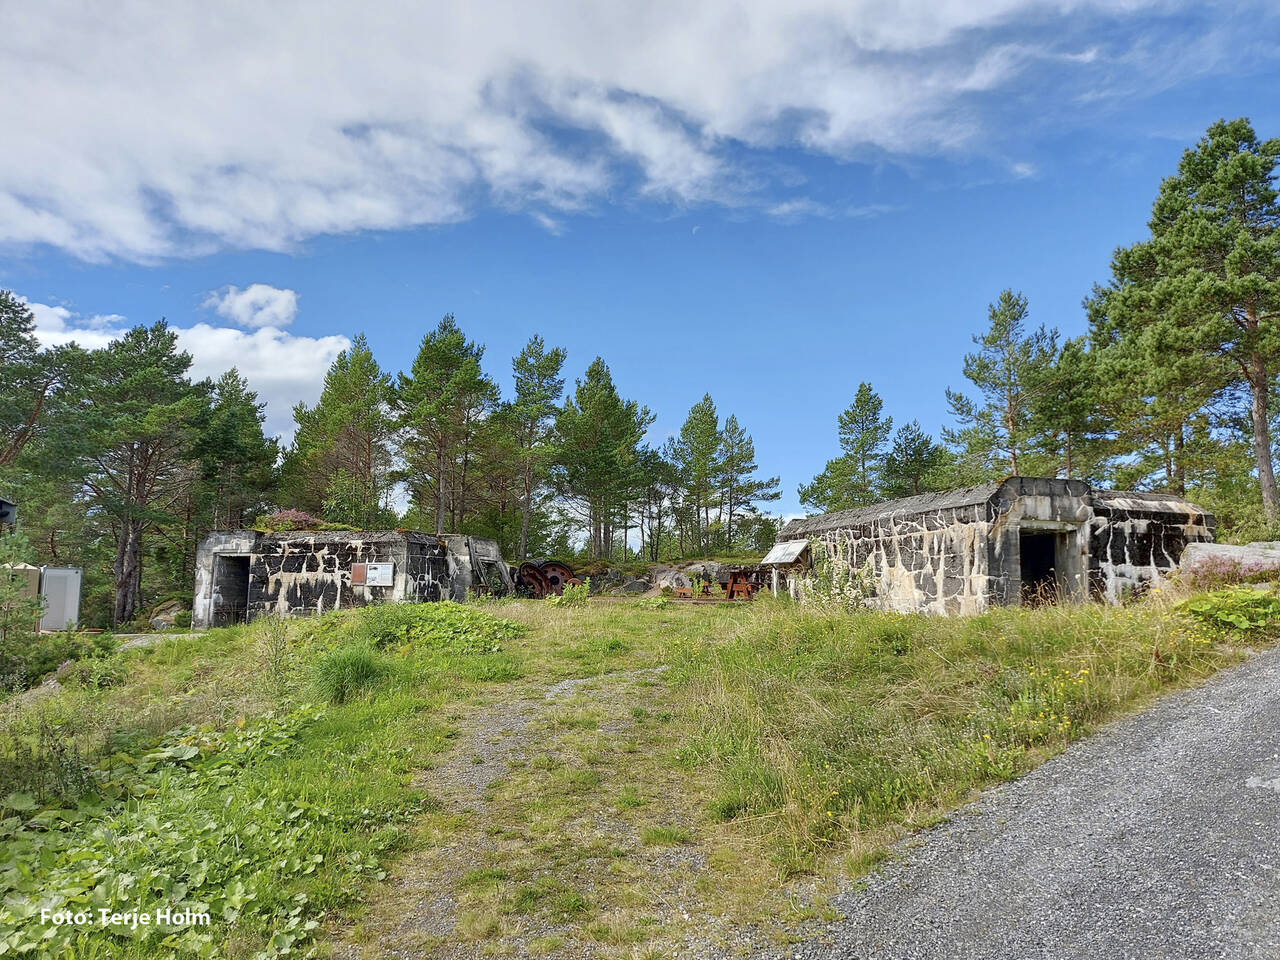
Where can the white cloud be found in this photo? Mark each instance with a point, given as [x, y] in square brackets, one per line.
[258, 305]
[798, 208]
[167, 129]
[281, 367]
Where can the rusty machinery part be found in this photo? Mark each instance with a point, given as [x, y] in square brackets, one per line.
[557, 575]
[531, 581]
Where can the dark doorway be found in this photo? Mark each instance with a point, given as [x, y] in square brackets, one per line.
[230, 590]
[1039, 580]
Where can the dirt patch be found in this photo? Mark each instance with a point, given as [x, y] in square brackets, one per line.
[542, 845]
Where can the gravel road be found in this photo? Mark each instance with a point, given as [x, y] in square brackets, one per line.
[1158, 837]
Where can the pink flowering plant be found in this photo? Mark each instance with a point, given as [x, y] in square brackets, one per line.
[1210, 573]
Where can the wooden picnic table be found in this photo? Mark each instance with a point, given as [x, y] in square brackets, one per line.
[739, 587]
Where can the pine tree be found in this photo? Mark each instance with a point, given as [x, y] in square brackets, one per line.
[851, 479]
[29, 377]
[740, 489]
[600, 435]
[912, 462]
[1007, 367]
[697, 459]
[1069, 436]
[1201, 297]
[239, 459]
[532, 417]
[131, 437]
[341, 452]
[443, 404]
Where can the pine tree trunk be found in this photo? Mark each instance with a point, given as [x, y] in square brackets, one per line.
[1260, 384]
[128, 571]
[526, 508]
[439, 491]
[1179, 463]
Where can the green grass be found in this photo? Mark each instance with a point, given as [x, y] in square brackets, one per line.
[209, 782]
[664, 836]
[833, 732]
[278, 783]
[350, 671]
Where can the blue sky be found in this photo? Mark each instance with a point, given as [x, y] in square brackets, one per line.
[765, 202]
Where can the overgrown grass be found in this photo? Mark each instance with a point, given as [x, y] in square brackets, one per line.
[833, 732]
[206, 781]
[350, 670]
[777, 740]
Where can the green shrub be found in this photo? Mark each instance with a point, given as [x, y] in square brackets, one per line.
[1237, 611]
[448, 627]
[19, 613]
[574, 595]
[47, 652]
[95, 672]
[249, 825]
[350, 670]
[43, 766]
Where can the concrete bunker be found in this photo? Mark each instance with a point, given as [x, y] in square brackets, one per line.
[1020, 541]
[243, 574]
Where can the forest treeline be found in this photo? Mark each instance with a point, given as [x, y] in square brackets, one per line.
[120, 462]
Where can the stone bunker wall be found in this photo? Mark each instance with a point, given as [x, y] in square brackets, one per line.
[303, 574]
[306, 573]
[936, 562]
[1135, 539]
[961, 557]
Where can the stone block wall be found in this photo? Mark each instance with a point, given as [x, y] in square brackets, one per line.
[1135, 539]
[961, 552]
[310, 573]
[937, 562]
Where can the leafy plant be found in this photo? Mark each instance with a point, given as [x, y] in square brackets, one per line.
[834, 579]
[1239, 611]
[273, 642]
[286, 520]
[574, 595]
[445, 626]
[217, 822]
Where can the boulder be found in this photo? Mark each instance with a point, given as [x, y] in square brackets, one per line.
[165, 615]
[1196, 553]
[672, 579]
[1226, 562]
[635, 586]
[706, 569]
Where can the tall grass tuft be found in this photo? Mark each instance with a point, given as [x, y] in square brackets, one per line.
[832, 731]
[350, 670]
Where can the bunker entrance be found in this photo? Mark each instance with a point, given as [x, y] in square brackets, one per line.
[230, 591]
[1039, 567]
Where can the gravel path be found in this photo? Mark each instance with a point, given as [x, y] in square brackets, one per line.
[1158, 837]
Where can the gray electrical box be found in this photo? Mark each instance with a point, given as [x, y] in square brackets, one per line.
[60, 588]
